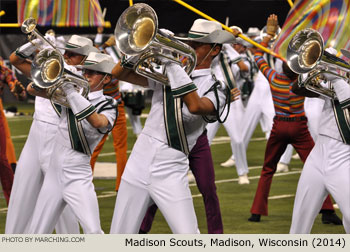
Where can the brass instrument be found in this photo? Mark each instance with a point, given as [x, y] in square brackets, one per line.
[48, 70]
[137, 34]
[306, 54]
[48, 73]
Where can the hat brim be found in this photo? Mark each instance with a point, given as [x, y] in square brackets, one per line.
[84, 50]
[216, 37]
[346, 53]
[104, 67]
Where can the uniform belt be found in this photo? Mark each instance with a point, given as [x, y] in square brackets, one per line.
[290, 119]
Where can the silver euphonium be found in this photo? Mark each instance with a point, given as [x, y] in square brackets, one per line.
[48, 70]
[306, 55]
[137, 33]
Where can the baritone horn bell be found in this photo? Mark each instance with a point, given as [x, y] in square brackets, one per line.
[47, 70]
[306, 55]
[136, 34]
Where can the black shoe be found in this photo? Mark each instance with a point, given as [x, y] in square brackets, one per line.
[142, 232]
[255, 218]
[328, 218]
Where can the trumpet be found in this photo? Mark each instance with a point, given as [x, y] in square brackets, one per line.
[136, 33]
[29, 27]
[47, 70]
[306, 55]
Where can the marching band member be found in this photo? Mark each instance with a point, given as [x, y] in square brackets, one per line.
[327, 168]
[127, 89]
[157, 167]
[119, 131]
[230, 60]
[17, 89]
[290, 126]
[36, 154]
[68, 180]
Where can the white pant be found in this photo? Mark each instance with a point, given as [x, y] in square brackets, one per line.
[233, 126]
[31, 168]
[326, 171]
[68, 181]
[154, 173]
[259, 108]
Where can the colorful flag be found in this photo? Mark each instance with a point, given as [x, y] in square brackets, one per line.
[62, 13]
[329, 17]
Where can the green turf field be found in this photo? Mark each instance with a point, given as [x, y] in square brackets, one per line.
[235, 200]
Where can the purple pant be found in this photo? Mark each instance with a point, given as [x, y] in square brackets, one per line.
[201, 164]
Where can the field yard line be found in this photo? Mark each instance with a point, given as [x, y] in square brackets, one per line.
[19, 136]
[213, 143]
[253, 177]
[107, 195]
[283, 196]
[270, 198]
[15, 119]
[226, 139]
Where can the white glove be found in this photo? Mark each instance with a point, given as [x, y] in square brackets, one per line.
[331, 77]
[331, 50]
[28, 48]
[68, 88]
[166, 32]
[80, 106]
[51, 39]
[71, 68]
[342, 89]
[177, 76]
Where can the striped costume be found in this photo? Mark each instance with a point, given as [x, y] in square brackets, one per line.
[289, 127]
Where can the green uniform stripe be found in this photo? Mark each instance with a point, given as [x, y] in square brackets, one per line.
[345, 104]
[21, 55]
[226, 69]
[57, 108]
[76, 134]
[184, 90]
[73, 132]
[342, 117]
[176, 134]
[85, 113]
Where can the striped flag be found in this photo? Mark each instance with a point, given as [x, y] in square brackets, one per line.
[329, 17]
[62, 13]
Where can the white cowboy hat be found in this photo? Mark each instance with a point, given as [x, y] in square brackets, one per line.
[80, 45]
[209, 32]
[243, 42]
[100, 62]
[346, 53]
[253, 32]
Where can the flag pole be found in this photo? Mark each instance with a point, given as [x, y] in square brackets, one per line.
[130, 3]
[2, 13]
[228, 29]
[9, 25]
[290, 3]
